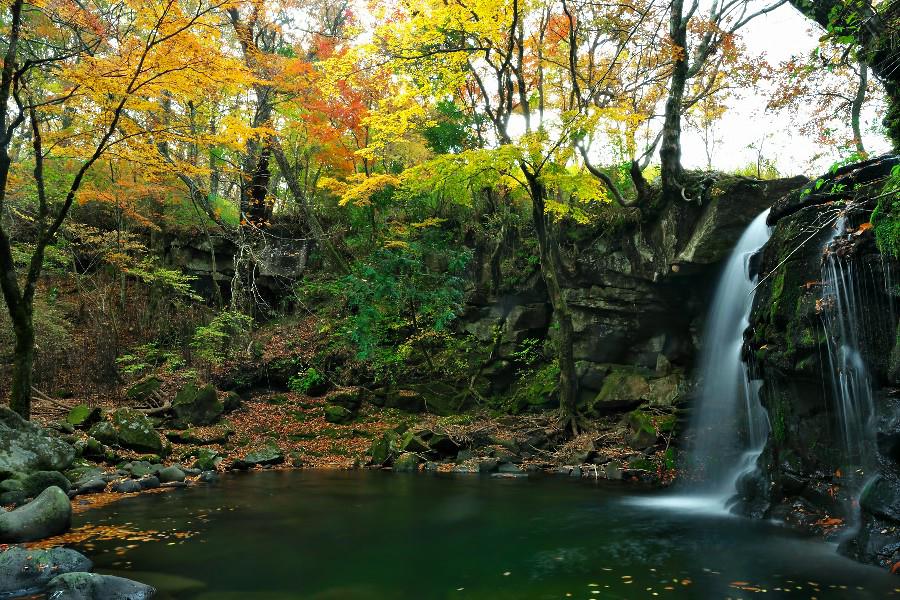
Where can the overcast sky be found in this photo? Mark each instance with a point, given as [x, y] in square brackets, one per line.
[779, 35]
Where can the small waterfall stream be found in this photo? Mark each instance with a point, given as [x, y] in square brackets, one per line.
[851, 385]
[730, 425]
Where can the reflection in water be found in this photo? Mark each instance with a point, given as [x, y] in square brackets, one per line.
[372, 535]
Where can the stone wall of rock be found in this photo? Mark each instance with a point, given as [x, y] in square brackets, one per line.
[806, 475]
[638, 296]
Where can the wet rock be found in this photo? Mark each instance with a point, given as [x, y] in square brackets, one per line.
[231, 402]
[28, 571]
[149, 482]
[406, 463]
[488, 465]
[641, 432]
[25, 447]
[94, 485]
[83, 416]
[209, 477]
[128, 486]
[613, 470]
[621, 389]
[510, 469]
[92, 586]
[881, 497]
[135, 431]
[198, 406]
[140, 468]
[47, 515]
[172, 473]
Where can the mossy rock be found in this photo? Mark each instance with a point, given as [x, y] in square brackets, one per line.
[83, 416]
[135, 431]
[37, 482]
[410, 442]
[198, 406]
[103, 432]
[207, 460]
[268, 455]
[232, 401]
[338, 415]
[382, 449]
[349, 398]
[142, 390]
[405, 400]
[621, 388]
[641, 432]
[406, 463]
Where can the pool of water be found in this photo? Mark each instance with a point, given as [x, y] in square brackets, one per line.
[373, 535]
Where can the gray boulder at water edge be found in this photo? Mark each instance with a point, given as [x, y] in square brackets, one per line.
[91, 586]
[28, 571]
[47, 515]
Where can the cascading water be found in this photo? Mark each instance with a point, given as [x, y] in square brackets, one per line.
[730, 425]
[850, 382]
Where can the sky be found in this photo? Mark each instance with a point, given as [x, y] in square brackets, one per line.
[779, 35]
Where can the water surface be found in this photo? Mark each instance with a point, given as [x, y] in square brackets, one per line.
[373, 535]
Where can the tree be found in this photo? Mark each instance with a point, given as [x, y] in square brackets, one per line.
[869, 30]
[112, 66]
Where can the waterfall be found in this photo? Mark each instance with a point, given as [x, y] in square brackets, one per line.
[850, 382]
[730, 425]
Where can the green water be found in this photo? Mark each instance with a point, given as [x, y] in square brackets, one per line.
[371, 535]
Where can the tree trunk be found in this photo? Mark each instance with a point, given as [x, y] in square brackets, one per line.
[856, 108]
[670, 150]
[551, 269]
[20, 395]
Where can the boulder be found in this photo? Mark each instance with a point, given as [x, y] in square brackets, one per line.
[37, 482]
[26, 447]
[349, 398]
[664, 391]
[149, 482]
[405, 400]
[144, 389]
[28, 571]
[406, 463]
[135, 431]
[47, 515]
[621, 389]
[170, 474]
[104, 433]
[83, 416]
[641, 432]
[207, 460]
[338, 414]
[92, 586]
[127, 486]
[269, 455]
[231, 402]
[93, 485]
[198, 406]
[881, 497]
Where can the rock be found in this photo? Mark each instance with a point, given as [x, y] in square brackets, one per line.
[621, 389]
[466, 469]
[135, 431]
[92, 586]
[209, 477]
[200, 438]
[13, 484]
[405, 400]
[338, 415]
[664, 391]
[349, 398]
[26, 447]
[613, 470]
[83, 416]
[93, 485]
[170, 474]
[140, 468]
[143, 389]
[174, 484]
[28, 571]
[510, 469]
[270, 455]
[406, 463]
[641, 432]
[104, 433]
[198, 406]
[381, 449]
[127, 486]
[149, 482]
[231, 402]
[881, 497]
[488, 465]
[47, 515]
[37, 482]
[207, 460]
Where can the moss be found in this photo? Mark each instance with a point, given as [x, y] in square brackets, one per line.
[777, 291]
[777, 416]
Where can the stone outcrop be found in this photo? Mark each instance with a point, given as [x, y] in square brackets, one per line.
[807, 471]
[26, 447]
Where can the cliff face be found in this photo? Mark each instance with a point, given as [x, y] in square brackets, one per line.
[823, 341]
[637, 297]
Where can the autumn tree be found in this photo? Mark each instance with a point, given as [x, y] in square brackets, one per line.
[112, 67]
